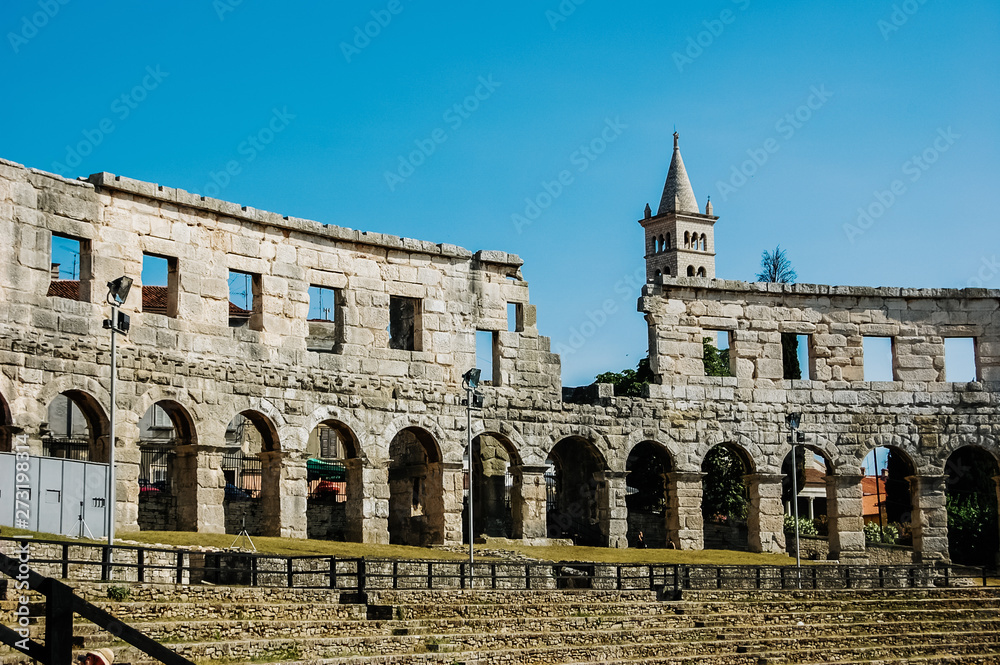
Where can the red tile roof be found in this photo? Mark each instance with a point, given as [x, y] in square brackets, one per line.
[64, 288]
[154, 298]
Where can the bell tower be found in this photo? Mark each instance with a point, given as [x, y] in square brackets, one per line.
[680, 240]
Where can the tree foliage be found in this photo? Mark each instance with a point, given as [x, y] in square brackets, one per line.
[716, 361]
[723, 489]
[972, 507]
[790, 356]
[629, 382]
[776, 267]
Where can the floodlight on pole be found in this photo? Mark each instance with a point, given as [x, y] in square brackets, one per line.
[794, 419]
[472, 399]
[118, 324]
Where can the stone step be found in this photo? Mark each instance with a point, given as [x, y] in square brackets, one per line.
[649, 642]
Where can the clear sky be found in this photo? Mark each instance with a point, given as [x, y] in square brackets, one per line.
[319, 120]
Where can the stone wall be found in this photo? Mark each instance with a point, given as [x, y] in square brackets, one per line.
[203, 372]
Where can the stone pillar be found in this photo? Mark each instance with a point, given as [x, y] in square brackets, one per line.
[845, 519]
[127, 458]
[812, 507]
[529, 502]
[198, 486]
[929, 518]
[685, 524]
[284, 492]
[367, 503]
[453, 480]
[611, 509]
[765, 515]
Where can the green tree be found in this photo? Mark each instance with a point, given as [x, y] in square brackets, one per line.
[629, 382]
[776, 267]
[790, 355]
[716, 361]
[972, 507]
[723, 489]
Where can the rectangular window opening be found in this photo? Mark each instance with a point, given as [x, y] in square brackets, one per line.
[159, 285]
[487, 356]
[878, 359]
[404, 323]
[69, 268]
[515, 317]
[244, 300]
[796, 356]
[715, 346]
[324, 319]
[960, 364]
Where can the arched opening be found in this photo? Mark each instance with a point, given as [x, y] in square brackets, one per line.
[971, 500]
[332, 469]
[659, 244]
[76, 428]
[666, 244]
[575, 491]
[811, 471]
[887, 502]
[658, 274]
[250, 437]
[163, 428]
[690, 271]
[725, 497]
[495, 488]
[646, 497]
[701, 272]
[704, 242]
[666, 270]
[416, 489]
[6, 425]
[687, 239]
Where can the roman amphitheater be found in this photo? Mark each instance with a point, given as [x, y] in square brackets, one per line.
[352, 425]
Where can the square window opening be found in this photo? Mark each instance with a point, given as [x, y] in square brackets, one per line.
[404, 323]
[487, 356]
[69, 268]
[960, 364]
[715, 348]
[796, 356]
[515, 317]
[244, 300]
[159, 285]
[324, 319]
[878, 357]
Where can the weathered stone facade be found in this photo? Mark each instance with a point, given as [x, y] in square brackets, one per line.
[400, 410]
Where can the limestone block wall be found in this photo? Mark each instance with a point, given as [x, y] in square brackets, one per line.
[206, 372]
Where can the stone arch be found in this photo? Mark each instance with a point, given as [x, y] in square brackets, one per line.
[416, 488]
[726, 497]
[648, 466]
[687, 239]
[666, 244]
[174, 398]
[602, 447]
[65, 436]
[169, 482]
[807, 493]
[6, 425]
[358, 431]
[578, 505]
[690, 271]
[496, 486]
[887, 497]
[704, 242]
[335, 478]
[430, 426]
[251, 472]
[972, 486]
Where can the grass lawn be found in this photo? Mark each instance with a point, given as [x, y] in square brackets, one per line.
[296, 547]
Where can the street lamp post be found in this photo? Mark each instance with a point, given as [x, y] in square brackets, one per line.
[118, 324]
[472, 399]
[795, 437]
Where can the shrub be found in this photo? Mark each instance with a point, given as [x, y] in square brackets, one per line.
[807, 527]
[888, 534]
[119, 593]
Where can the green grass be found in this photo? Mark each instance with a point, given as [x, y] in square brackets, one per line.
[296, 547]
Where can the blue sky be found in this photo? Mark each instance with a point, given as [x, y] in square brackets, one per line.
[311, 128]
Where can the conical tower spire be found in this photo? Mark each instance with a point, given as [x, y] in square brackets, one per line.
[677, 193]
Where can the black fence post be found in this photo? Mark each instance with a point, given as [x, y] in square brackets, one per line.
[430, 574]
[758, 578]
[333, 572]
[65, 561]
[618, 577]
[253, 571]
[105, 563]
[527, 576]
[180, 567]
[493, 574]
[58, 622]
[395, 574]
[847, 577]
[362, 575]
[140, 560]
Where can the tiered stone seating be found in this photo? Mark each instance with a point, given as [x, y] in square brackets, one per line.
[241, 625]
